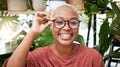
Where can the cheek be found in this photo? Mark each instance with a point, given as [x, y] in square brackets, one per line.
[75, 33]
[76, 30]
[54, 32]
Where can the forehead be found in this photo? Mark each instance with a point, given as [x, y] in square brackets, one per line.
[65, 12]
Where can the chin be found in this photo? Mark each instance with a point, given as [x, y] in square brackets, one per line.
[64, 42]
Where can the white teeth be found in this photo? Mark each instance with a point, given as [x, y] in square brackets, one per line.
[65, 36]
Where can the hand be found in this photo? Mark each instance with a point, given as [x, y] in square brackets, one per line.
[39, 23]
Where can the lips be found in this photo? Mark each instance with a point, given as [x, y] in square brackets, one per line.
[65, 36]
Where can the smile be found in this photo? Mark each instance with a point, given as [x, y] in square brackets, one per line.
[65, 36]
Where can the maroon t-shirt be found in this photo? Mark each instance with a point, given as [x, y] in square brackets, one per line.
[45, 57]
[83, 57]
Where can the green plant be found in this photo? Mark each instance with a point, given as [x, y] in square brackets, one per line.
[94, 6]
[107, 29]
[44, 39]
[3, 58]
[1, 4]
[114, 29]
[15, 41]
[7, 18]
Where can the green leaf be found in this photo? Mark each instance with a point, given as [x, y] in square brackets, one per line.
[116, 22]
[1, 4]
[87, 7]
[3, 58]
[115, 26]
[110, 14]
[114, 54]
[80, 39]
[115, 8]
[103, 37]
[94, 8]
[6, 18]
[44, 39]
[97, 48]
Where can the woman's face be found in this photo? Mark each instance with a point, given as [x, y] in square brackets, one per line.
[65, 35]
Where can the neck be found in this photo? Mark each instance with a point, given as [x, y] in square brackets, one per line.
[64, 50]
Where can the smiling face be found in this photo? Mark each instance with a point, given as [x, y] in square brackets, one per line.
[65, 35]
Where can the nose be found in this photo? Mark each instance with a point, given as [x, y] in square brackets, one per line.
[66, 27]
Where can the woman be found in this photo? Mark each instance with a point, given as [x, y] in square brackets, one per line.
[64, 23]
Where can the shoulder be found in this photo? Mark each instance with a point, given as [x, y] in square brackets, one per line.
[91, 55]
[37, 54]
[89, 51]
[39, 51]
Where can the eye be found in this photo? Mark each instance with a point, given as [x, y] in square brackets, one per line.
[58, 22]
[74, 22]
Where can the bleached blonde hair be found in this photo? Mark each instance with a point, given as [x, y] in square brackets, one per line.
[66, 5]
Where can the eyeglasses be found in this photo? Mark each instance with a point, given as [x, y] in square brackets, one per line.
[59, 22]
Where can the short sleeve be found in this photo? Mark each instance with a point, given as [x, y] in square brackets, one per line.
[98, 61]
[30, 61]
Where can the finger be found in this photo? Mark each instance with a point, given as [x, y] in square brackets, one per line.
[42, 14]
[50, 19]
[41, 19]
[47, 24]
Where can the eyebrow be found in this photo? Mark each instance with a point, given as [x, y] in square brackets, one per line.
[74, 18]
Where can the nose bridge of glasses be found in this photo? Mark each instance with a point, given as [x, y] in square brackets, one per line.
[66, 24]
